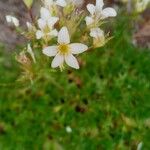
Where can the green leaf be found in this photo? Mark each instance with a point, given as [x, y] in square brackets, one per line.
[28, 3]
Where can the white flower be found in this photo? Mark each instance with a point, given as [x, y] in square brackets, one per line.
[46, 24]
[96, 33]
[98, 37]
[64, 51]
[68, 129]
[29, 50]
[97, 12]
[13, 20]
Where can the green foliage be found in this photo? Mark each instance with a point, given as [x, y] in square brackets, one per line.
[106, 102]
[28, 3]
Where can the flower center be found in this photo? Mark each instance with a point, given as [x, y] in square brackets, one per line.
[46, 29]
[63, 49]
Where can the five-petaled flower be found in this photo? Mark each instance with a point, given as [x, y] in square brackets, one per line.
[64, 50]
[98, 13]
[46, 24]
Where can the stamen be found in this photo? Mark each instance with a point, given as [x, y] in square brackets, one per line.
[63, 49]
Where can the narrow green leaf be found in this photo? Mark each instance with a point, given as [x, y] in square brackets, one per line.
[28, 3]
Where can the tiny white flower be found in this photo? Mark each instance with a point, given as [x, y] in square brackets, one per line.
[98, 37]
[89, 20]
[30, 51]
[96, 33]
[64, 51]
[68, 129]
[46, 24]
[13, 20]
[97, 12]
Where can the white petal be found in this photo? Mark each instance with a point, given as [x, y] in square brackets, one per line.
[53, 33]
[15, 21]
[71, 61]
[29, 26]
[109, 12]
[91, 8]
[41, 23]
[57, 61]
[63, 36]
[96, 33]
[99, 4]
[52, 21]
[89, 20]
[45, 13]
[61, 3]
[50, 51]
[8, 19]
[30, 51]
[39, 34]
[77, 48]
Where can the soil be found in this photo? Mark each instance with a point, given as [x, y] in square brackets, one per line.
[8, 35]
[16, 8]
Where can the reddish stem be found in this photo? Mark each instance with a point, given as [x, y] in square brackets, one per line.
[31, 15]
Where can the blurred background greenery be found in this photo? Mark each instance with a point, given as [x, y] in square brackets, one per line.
[105, 104]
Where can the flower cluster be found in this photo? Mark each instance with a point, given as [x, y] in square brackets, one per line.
[141, 5]
[60, 23]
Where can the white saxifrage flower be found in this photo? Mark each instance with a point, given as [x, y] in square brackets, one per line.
[98, 36]
[68, 129]
[97, 12]
[46, 24]
[13, 20]
[64, 51]
[96, 33]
